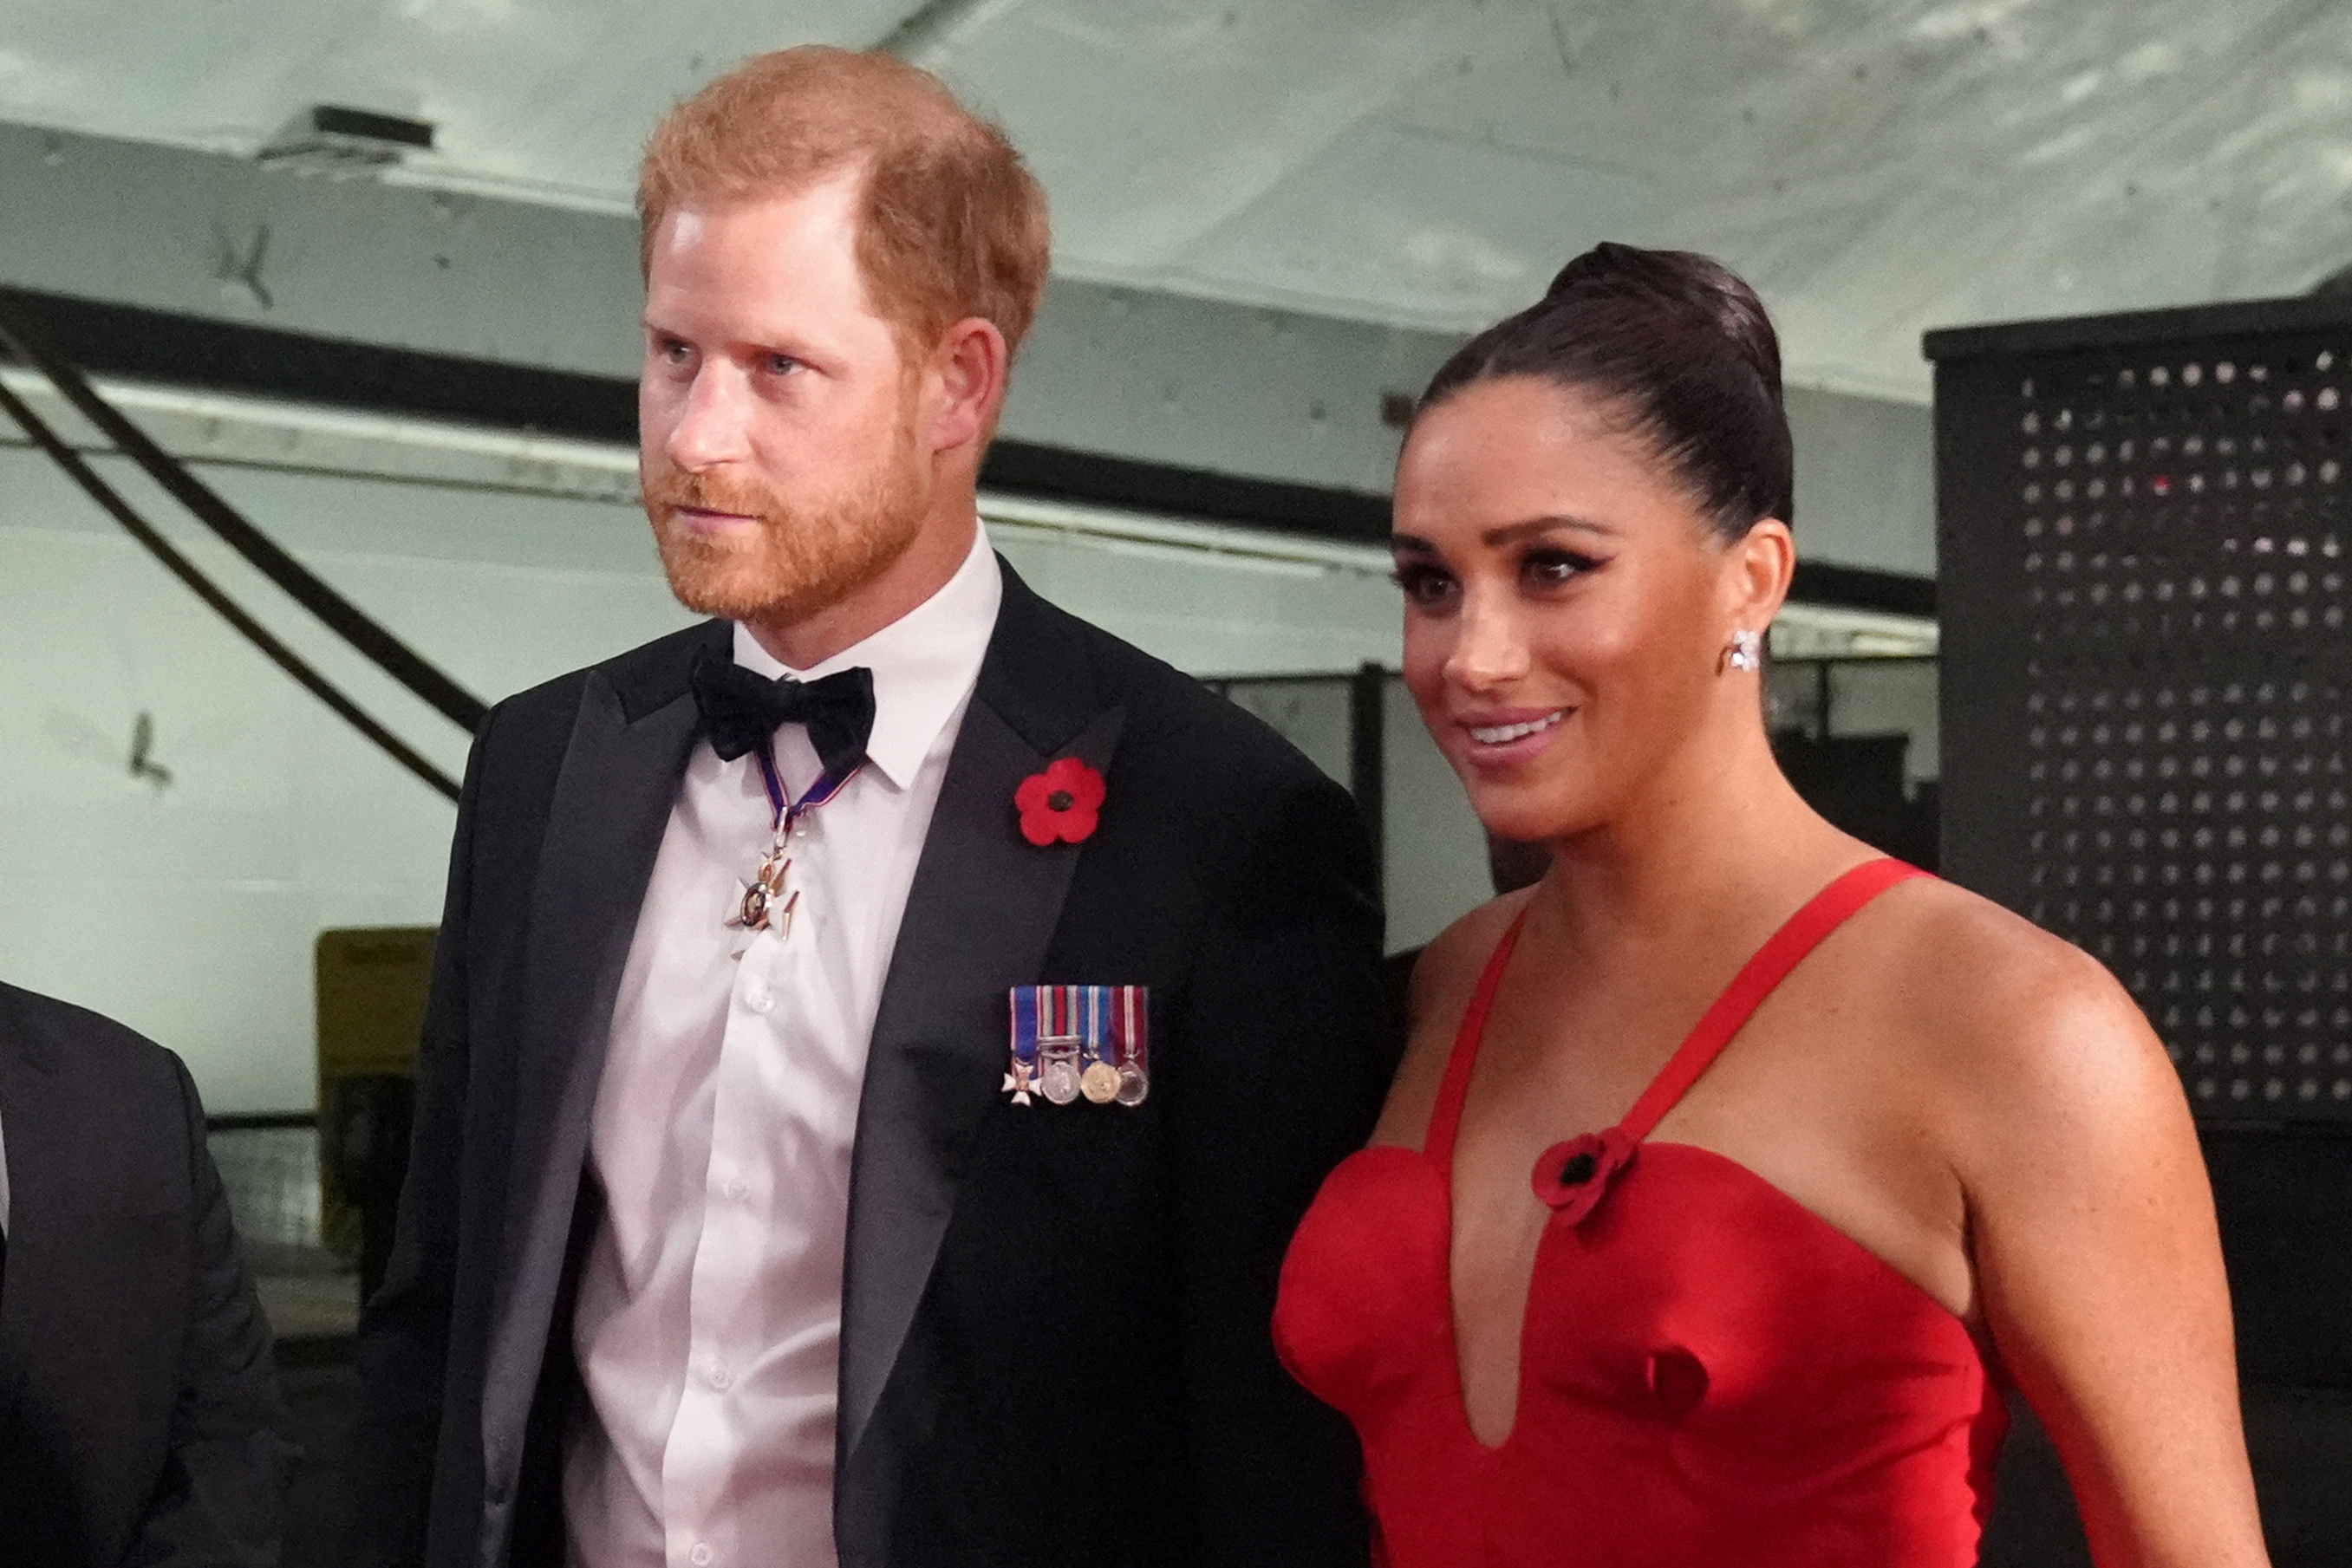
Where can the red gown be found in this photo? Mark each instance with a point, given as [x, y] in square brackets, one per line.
[1710, 1374]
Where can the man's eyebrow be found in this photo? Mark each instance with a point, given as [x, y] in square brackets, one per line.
[1412, 542]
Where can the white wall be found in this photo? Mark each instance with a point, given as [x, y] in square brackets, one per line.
[1435, 848]
[188, 910]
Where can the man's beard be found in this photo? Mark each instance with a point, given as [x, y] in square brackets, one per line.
[804, 557]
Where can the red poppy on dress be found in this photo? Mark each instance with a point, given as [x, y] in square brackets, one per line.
[1062, 803]
[1570, 1177]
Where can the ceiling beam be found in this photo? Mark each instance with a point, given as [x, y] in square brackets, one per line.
[531, 312]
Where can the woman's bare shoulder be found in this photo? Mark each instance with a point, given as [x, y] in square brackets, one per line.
[1442, 979]
[1448, 969]
[2028, 1033]
[1964, 968]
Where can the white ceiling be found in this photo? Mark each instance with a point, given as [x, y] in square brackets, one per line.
[1874, 168]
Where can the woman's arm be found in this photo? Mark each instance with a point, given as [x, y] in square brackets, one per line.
[2091, 1226]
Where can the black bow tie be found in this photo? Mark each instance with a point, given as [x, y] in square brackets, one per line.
[741, 709]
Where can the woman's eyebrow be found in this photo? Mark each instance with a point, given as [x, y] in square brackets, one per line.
[1514, 532]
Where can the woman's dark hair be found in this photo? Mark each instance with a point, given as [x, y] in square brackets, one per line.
[1677, 345]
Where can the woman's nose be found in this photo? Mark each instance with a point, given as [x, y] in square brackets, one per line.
[1491, 649]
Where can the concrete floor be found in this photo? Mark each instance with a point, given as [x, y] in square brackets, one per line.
[309, 1306]
[321, 1389]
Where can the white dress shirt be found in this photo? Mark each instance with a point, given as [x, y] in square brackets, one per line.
[708, 1321]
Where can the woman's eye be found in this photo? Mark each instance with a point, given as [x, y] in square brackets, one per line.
[1426, 586]
[1550, 568]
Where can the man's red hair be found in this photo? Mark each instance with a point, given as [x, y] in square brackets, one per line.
[952, 223]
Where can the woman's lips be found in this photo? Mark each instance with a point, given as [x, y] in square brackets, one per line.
[1511, 736]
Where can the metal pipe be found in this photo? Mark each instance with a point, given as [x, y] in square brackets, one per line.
[346, 620]
[37, 430]
[927, 34]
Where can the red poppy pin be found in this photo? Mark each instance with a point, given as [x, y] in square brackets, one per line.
[1061, 803]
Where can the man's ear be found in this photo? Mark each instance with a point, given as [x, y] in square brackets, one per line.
[972, 363]
[1757, 572]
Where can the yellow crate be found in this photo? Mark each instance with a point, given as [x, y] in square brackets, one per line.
[372, 985]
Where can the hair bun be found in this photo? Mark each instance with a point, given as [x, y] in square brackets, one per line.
[1681, 346]
[1605, 261]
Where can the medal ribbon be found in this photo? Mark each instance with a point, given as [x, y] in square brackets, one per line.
[785, 811]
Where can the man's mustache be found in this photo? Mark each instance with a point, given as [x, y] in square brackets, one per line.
[711, 493]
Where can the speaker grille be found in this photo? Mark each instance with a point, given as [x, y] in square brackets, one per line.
[2146, 666]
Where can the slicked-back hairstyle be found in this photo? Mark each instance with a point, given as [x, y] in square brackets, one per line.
[1677, 346]
[952, 223]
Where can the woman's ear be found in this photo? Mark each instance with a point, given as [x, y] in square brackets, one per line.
[1757, 571]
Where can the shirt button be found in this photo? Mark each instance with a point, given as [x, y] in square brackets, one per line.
[737, 1192]
[759, 1000]
[702, 1554]
[719, 1379]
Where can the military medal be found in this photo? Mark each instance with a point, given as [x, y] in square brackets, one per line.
[764, 904]
[1077, 1041]
[1061, 1077]
[1100, 1081]
[1129, 1019]
[1020, 1075]
[1059, 1043]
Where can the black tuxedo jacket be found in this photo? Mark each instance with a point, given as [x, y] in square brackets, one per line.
[139, 1421]
[1055, 1342]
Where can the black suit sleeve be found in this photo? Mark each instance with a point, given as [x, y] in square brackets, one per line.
[1275, 1076]
[403, 1329]
[221, 1501]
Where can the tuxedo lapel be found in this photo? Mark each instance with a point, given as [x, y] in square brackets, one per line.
[39, 1153]
[612, 801]
[980, 912]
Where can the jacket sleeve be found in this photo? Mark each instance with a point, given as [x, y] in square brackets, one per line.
[402, 1348]
[1275, 1076]
[221, 1499]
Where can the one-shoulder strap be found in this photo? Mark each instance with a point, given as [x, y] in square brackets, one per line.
[1805, 930]
[1446, 1115]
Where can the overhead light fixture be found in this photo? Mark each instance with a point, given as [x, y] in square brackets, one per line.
[328, 139]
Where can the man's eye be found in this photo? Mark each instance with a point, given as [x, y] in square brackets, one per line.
[674, 351]
[779, 364]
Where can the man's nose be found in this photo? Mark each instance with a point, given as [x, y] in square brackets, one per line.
[712, 425]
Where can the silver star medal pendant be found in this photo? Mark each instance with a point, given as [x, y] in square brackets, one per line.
[765, 906]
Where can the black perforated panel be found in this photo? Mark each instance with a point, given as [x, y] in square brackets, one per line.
[2144, 537]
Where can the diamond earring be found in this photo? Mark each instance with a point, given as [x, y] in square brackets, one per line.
[1747, 651]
